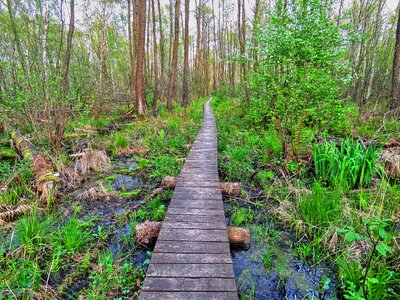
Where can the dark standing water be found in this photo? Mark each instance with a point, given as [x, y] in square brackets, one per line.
[274, 271]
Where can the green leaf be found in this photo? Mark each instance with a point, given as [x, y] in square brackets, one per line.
[352, 236]
[373, 280]
[381, 249]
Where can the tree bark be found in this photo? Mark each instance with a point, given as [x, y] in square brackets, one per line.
[65, 82]
[155, 59]
[141, 33]
[131, 56]
[395, 69]
[174, 62]
[185, 87]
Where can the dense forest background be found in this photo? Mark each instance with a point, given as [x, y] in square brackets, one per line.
[100, 102]
[60, 56]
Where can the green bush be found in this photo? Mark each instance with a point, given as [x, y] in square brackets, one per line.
[272, 142]
[299, 73]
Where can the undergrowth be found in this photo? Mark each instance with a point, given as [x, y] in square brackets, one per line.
[335, 196]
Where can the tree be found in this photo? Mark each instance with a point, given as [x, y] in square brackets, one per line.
[155, 58]
[141, 34]
[185, 97]
[174, 62]
[395, 68]
[65, 82]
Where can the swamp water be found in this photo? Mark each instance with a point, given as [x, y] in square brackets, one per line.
[269, 269]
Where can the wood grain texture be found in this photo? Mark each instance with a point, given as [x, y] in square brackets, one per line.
[191, 259]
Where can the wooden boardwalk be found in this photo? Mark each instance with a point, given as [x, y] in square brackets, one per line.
[192, 259]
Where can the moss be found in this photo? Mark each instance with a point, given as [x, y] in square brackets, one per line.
[27, 155]
[131, 194]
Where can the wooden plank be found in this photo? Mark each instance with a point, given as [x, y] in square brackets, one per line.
[191, 258]
[191, 247]
[190, 270]
[205, 204]
[206, 235]
[191, 218]
[190, 284]
[147, 295]
[220, 224]
[197, 211]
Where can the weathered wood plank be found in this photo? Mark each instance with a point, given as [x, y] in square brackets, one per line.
[191, 218]
[147, 295]
[190, 284]
[191, 258]
[205, 204]
[190, 270]
[193, 225]
[191, 247]
[206, 235]
[197, 211]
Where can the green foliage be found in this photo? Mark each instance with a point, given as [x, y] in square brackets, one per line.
[32, 232]
[374, 275]
[296, 82]
[272, 143]
[242, 216]
[120, 142]
[99, 123]
[131, 194]
[320, 208]
[75, 235]
[268, 257]
[351, 165]
[20, 278]
[165, 166]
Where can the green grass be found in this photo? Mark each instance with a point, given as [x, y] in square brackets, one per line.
[327, 190]
[321, 208]
[350, 166]
[75, 235]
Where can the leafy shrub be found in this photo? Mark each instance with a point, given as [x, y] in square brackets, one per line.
[272, 142]
[242, 215]
[351, 165]
[299, 73]
[165, 166]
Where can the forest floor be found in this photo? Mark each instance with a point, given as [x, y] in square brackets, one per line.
[309, 239]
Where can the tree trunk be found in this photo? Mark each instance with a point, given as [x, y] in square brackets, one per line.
[162, 53]
[155, 58]
[141, 33]
[174, 62]
[395, 70]
[131, 56]
[185, 87]
[65, 82]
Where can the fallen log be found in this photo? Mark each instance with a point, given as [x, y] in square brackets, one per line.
[45, 180]
[146, 234]
[227, 188]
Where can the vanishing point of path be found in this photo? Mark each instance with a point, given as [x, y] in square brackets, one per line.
[191, 259]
